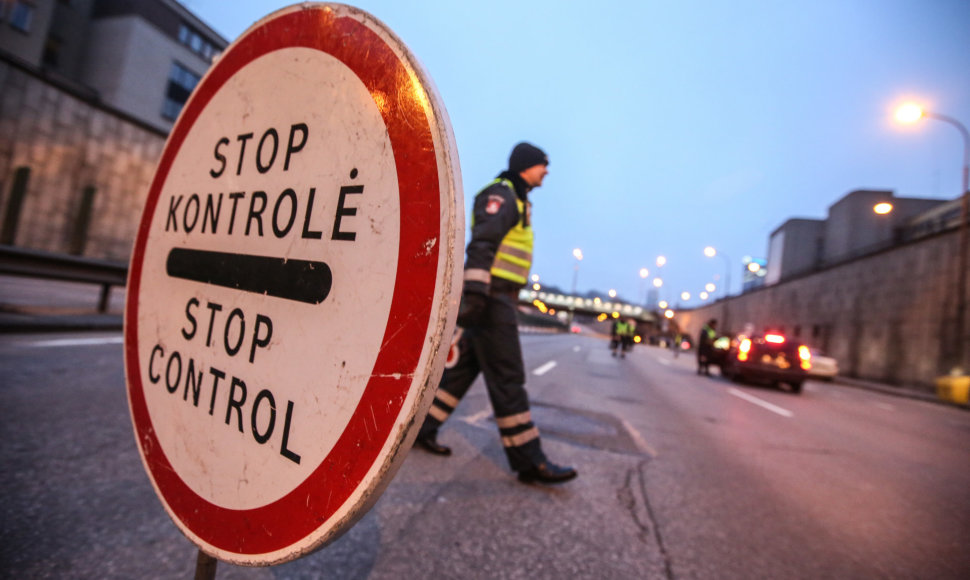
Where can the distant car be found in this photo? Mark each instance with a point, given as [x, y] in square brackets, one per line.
[771, 358]
[575, 329]
[823, 367]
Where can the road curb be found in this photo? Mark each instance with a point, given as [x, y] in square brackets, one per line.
[908, 393]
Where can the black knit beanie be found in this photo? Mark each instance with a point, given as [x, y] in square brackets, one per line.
[525, 155]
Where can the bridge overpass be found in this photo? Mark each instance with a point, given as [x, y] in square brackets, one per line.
[583, 305]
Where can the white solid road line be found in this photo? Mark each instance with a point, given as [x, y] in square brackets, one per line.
[544, 368]
[761, 403]
[77, 341]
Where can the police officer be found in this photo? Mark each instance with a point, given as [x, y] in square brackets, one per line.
[615, 335]
[627, 333]
[705, 346]
[497, 263]
[622, 338]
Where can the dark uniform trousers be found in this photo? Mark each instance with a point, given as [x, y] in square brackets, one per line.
[493, 348]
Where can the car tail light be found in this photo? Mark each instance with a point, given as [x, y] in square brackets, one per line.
[775, 339]
[743, 349]
[806, 357]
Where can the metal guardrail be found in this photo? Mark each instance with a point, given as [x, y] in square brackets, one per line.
[39, 264]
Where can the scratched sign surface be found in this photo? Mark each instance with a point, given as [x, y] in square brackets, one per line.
[297, 264]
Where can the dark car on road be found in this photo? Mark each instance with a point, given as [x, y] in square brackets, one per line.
[770, 358]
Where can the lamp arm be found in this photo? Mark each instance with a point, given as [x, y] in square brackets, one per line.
[963, 133]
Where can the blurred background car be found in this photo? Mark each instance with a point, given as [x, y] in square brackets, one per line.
[823, 367]
[770, 358]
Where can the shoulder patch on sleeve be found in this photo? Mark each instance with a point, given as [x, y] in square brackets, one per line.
[494, 204]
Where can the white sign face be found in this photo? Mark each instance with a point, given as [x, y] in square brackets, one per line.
[297, 266]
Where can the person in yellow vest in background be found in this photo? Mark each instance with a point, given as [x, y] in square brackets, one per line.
[622, 339]
[627, 333]
[497, 262]
[615, 336]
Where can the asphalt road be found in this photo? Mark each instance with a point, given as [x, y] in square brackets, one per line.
[681, 476]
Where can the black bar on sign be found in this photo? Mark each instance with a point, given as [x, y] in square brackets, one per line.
[300, 280]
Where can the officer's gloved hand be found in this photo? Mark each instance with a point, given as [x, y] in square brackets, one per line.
[471, 312]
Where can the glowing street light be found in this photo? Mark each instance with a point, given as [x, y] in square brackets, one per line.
[881, 208]
[704, 295]
[612, 293]
[644, 272]
[668, 314]
[911, 113]
[661, 261]
[685, 296]
[657, 283]
[753, 267]
[663, 304]
[535, 277]
[710, 287]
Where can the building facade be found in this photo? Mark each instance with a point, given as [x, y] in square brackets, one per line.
[90, 89]
[141, 57]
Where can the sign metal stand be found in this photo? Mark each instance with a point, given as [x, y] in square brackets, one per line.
[205, 567]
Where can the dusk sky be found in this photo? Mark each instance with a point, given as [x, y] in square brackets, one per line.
[672, 126]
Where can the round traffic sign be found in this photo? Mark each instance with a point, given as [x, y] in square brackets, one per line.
[297, 264]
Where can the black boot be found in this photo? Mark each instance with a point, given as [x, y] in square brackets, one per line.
[429, 442]
[547, 472]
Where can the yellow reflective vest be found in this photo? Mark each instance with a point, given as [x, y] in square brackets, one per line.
[514, 256]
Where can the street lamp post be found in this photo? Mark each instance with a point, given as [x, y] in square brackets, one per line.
[710, 252]
[578, 254]
[658, 279]
[911, 113]
[643, 278]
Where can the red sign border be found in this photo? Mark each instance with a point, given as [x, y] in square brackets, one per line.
[305, 509]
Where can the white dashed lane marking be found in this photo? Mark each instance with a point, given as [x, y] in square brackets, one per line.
[761, 403]
[544, 368]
